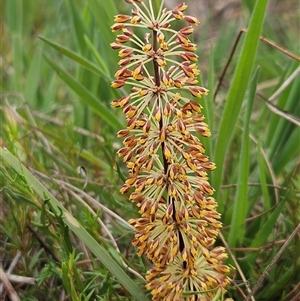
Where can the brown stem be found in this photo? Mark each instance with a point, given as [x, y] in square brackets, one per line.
[263, 39]
[157, 83]
[274, 260]
[228, 63]
[156, 73]
[42, 243]
[165, 162]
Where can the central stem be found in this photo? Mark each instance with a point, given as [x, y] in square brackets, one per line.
[165, 162]
[157, 83]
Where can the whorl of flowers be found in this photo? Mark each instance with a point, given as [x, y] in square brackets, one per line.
[164, 155]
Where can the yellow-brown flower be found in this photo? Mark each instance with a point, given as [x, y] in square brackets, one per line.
[180, 280]
[164, 155]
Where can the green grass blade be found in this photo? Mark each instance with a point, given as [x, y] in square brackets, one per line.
[87, 97]
[208, 105]
[288, 151]
[104, 20]
[275, 131]
[74, 225]
[263, 178]
[288, 101]
[236, 92]
[14, 13]
[283, 130]
[237, 228]
[49, 95]
[33, 79]
[108, 10]
[75, 57]
[286, 276]
[78, 26]
[265, 230]
[98, 57]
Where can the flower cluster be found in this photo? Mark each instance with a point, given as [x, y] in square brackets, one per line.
[166, 160]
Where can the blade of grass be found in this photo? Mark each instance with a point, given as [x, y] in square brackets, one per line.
[94, 160]
[263, 176]
[15, 24]
[104, 35]
[108, 11]
[236, 92]
[33, 79]
[281, 283]
[265, 231]
[237, 227]
[285, 135]
[74, 225]
[48, 99]
[208, 104]
[98, 57]
[289, 151]
[289, 101]
[87, 97]
[75, 57]
[78, 26]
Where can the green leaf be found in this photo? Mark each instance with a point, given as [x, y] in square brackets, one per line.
[66, 277]
[93, 159]
[75, 57]
[98, 57]
[236, 93]
[87, 97]
[88, 297]
[14, 13]
[286, 101]
[78, 26]
[284, 136]
[262, 176]
[108, 11]
[280, 284]
[266, 230]
[289, 151]
[33, 79]
[20, 198]
[207, 110]
[237, 227]
[74, 225]
[105, 35]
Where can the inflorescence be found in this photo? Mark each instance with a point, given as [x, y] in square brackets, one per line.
[165, 158]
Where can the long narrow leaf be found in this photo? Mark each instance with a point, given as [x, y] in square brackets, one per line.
[15, 23]
[105, 35]
[75, 57]
[263, 178]
[74, 225]
[87, 97]
[237, 91]
[97, 56]
[106, 17]
[237, 228]
[266, 230]
[290, 150]
[208, 105]
[78, 26]
[33, 79]
[287, 100]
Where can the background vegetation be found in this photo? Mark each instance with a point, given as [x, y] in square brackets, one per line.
[57, 127]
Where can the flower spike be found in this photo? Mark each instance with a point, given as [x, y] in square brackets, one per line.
[167, 167]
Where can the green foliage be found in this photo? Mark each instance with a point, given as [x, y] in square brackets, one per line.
[237, 91]
[55, 116]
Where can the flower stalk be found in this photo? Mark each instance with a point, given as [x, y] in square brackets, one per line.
[166, 160]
